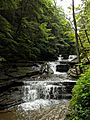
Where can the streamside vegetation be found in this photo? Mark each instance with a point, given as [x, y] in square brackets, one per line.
[79, 108]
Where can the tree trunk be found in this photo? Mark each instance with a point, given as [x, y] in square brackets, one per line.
[76, 34]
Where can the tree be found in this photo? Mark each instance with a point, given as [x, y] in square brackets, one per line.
[33, 30]
[76, 34]
[83, 22]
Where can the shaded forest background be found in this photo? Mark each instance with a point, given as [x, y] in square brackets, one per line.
[34, 30]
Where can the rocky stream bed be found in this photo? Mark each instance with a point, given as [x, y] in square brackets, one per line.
[43, 96]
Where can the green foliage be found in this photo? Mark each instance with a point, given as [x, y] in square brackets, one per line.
[83, 22]
[80, 102]
[8, 4]
[7, 44]
[33, 30]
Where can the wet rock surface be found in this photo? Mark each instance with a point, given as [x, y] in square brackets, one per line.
[55, 112]
[62, 68]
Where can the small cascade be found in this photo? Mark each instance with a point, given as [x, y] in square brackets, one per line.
[60, 58]
[29, 94]
[54, 91]
[53, 66]
[32, 91]
[44, 93]
[44, 90]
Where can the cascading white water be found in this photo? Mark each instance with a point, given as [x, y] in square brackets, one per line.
[54, 91]
[29, 94]
[43, 93]
[53, 67]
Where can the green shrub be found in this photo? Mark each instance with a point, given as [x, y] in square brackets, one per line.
[79, 108]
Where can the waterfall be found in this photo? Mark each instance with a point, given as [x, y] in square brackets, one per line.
[43, 90]
[42, 93]
[29, 94]
[54, 64]
[52, 90]
[53, 67]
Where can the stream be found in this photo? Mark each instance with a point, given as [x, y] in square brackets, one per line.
[40, 98]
